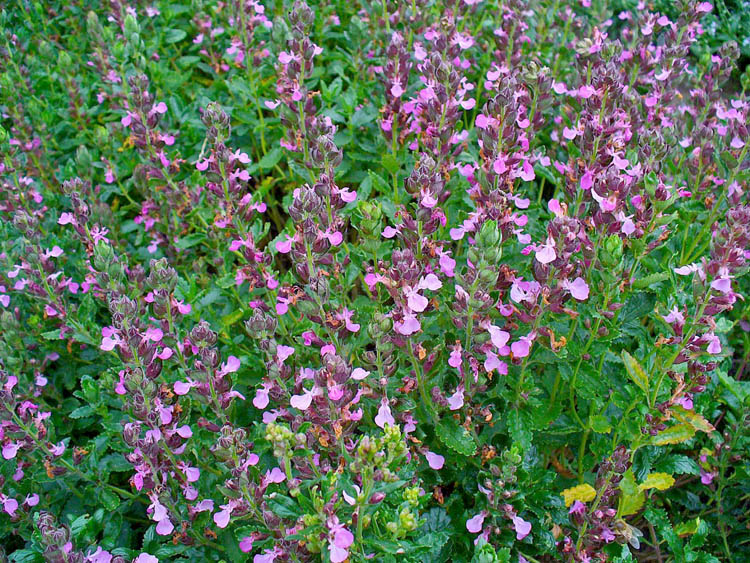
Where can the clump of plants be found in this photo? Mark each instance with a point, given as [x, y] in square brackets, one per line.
[415, 281]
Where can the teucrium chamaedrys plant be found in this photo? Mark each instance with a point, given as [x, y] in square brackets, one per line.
[416, 280]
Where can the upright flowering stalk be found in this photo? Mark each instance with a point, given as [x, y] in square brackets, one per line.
[444, 93]
[295, 67]
[396, 74]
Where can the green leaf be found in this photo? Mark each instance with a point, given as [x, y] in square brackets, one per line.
[284, 507]
[678, 464]
[391, 163]
[190, 241]
[648, 281]
[456, 437]
[174, 35]
[635, 371]
[435, 520]
[600, 424]
[25, 556]
[271, 158]
[109, 499]
[687, 528]
[82, 412]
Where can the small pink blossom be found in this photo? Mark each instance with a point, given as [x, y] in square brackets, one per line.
[474, 525]
[435, 461]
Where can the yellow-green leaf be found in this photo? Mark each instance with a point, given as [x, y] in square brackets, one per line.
[661, 481]
[688, 528]
[632, 498]
[692, 418]
[674, 435]
[635, 371]
[584, 493]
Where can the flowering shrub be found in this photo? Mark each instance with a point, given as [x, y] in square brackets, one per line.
[393, 281]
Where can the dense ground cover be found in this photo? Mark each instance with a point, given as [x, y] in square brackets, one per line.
[390, 281]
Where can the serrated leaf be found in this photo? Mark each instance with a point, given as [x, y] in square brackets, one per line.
[635, 371]
[110, 500]
[82, 412]
[456, 437]
[678, 464]
[674, 435]
[584, 493]
[650, 280]
[435, 520]
[694, 419]
[660, 481]
[600, 424]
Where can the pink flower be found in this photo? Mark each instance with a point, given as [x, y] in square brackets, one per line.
[302, 402]
[455, 360]
[261, 397]
[578, 288]
[521, 348]
[246, 544]
[10, 450]
[587, 180]
[359, 374]
[577, 508]
[456, 401]
[284, 246]
[474, 525]
[545, 253]
[230, 366]
[221, 518]
[384, 415]
[339, 542]
[275, 475]
[499, 337]
[283, 352]
[146, 558]
[522, 527]
[714, 344]
[435, 461]
[10, 505]
[408, 326]
[153, 334]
